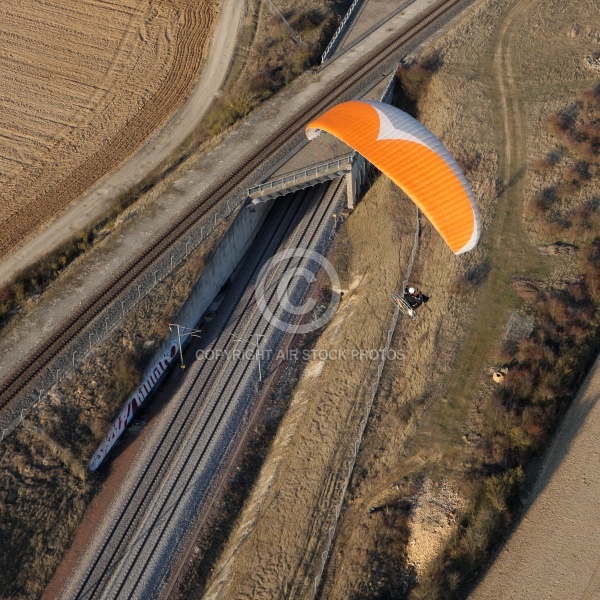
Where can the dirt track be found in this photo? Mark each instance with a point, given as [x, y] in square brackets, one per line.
[85, 88]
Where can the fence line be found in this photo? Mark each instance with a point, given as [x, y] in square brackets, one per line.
[338, 31]
[388, 92]
[293, 33]
[363, 422]
[301, 175]
[386, 97]
[102, 325]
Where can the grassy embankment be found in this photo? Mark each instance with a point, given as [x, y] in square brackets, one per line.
[481, 440]
[46, 487]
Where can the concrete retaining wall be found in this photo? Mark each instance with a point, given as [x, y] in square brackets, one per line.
[219, 268]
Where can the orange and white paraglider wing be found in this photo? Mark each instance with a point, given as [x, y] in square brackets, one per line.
[411, 156]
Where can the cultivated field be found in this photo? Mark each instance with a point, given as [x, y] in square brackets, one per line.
[83, 85]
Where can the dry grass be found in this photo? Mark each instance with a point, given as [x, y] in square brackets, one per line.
[273, 57]
[567, 205]
[42, 500]
[436, 416]
[435, 419]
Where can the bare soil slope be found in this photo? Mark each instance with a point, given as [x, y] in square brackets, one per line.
[84, 85]
[272, 552]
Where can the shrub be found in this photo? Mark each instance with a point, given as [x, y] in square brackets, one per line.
[591, 98]
[468, 160]
[558, 124]
[241, 105]
[126, 377]
[589, 260]
[502, 491]
[517, 388]
[568, 188]
[308, 20]
[546, 199]
[544, 164]
[557, 307]
[467, 550]
[296, 63]
[531, 354]
[412, 82]
[536, 426]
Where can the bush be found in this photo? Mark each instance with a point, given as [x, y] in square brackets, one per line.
[546, 199]
[556, 306]
[242, 105]
[533, 355]
[589, 260]
[517, 388]
[482, 525]
[412, 82]
[519, 416]
[577, 173]
[558, 124]
[544, 164]
[308, 20]
[127, 377]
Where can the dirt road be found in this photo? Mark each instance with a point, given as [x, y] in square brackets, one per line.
[95, 201]
[553, 554]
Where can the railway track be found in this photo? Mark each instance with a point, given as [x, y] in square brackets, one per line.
[194, 443]
[239, 176]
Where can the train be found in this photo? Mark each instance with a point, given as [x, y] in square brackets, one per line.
[133, 404]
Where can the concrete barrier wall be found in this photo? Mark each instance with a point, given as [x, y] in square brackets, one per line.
[219, 268]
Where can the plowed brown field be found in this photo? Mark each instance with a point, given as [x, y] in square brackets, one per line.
[83, 84]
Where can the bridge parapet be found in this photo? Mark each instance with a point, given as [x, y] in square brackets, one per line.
[303, 178]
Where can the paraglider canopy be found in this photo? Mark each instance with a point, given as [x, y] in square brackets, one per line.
[411, 156]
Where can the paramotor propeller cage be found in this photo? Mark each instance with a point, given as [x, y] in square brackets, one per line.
[404, 307]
